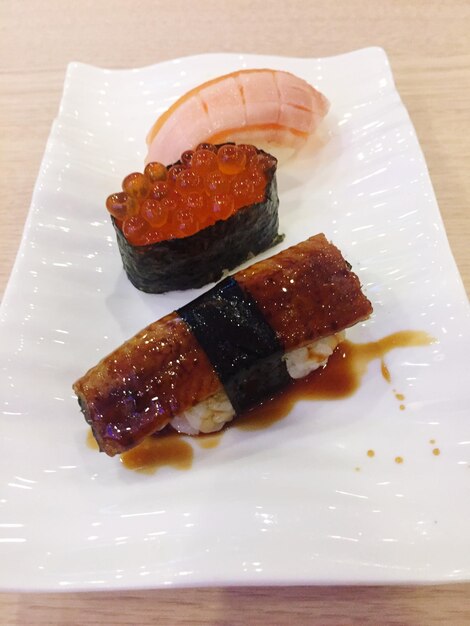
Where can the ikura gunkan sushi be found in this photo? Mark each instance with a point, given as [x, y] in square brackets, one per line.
[181, 227]
[227, 350]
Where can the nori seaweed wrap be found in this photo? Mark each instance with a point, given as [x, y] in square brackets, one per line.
[187, 262]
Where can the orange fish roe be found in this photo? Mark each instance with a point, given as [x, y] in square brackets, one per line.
[208, 184]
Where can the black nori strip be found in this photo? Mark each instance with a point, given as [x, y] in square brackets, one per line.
[240, 344]
[202, 258]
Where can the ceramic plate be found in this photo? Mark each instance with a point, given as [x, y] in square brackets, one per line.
[300, 502]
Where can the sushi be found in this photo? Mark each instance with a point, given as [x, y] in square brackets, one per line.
[269, 108]
[229, 349]
[181, 227]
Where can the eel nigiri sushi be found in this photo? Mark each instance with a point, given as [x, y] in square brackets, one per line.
[181, 227]
[265, 107]
[227, 350]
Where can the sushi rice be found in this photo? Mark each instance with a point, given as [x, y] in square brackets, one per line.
[213, 413]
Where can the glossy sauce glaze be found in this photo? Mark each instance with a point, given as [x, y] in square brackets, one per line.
[339, 379]
[143, 374]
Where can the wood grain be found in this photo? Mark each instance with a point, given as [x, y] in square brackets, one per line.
[245, 606]
[428, 45]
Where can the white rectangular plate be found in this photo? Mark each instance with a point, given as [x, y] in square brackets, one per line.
[280, 506]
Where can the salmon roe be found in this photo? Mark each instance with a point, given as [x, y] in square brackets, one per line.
[209, 183]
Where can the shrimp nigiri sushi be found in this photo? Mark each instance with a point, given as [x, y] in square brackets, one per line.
[271, 109]
[227, 350]
[181, 227]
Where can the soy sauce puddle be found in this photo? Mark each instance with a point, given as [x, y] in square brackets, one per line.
[155, 452]
[339, 379]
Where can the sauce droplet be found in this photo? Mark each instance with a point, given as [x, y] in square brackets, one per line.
[398, 459]
[402, 407]
[436, 451]
[385, 371]
[370, 453]
[432, 441]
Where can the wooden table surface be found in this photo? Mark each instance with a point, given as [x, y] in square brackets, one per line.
[428, 44]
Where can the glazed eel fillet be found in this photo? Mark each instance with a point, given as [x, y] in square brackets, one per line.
[227, 350]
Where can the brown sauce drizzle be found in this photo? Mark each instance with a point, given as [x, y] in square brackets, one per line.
[340, 379]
